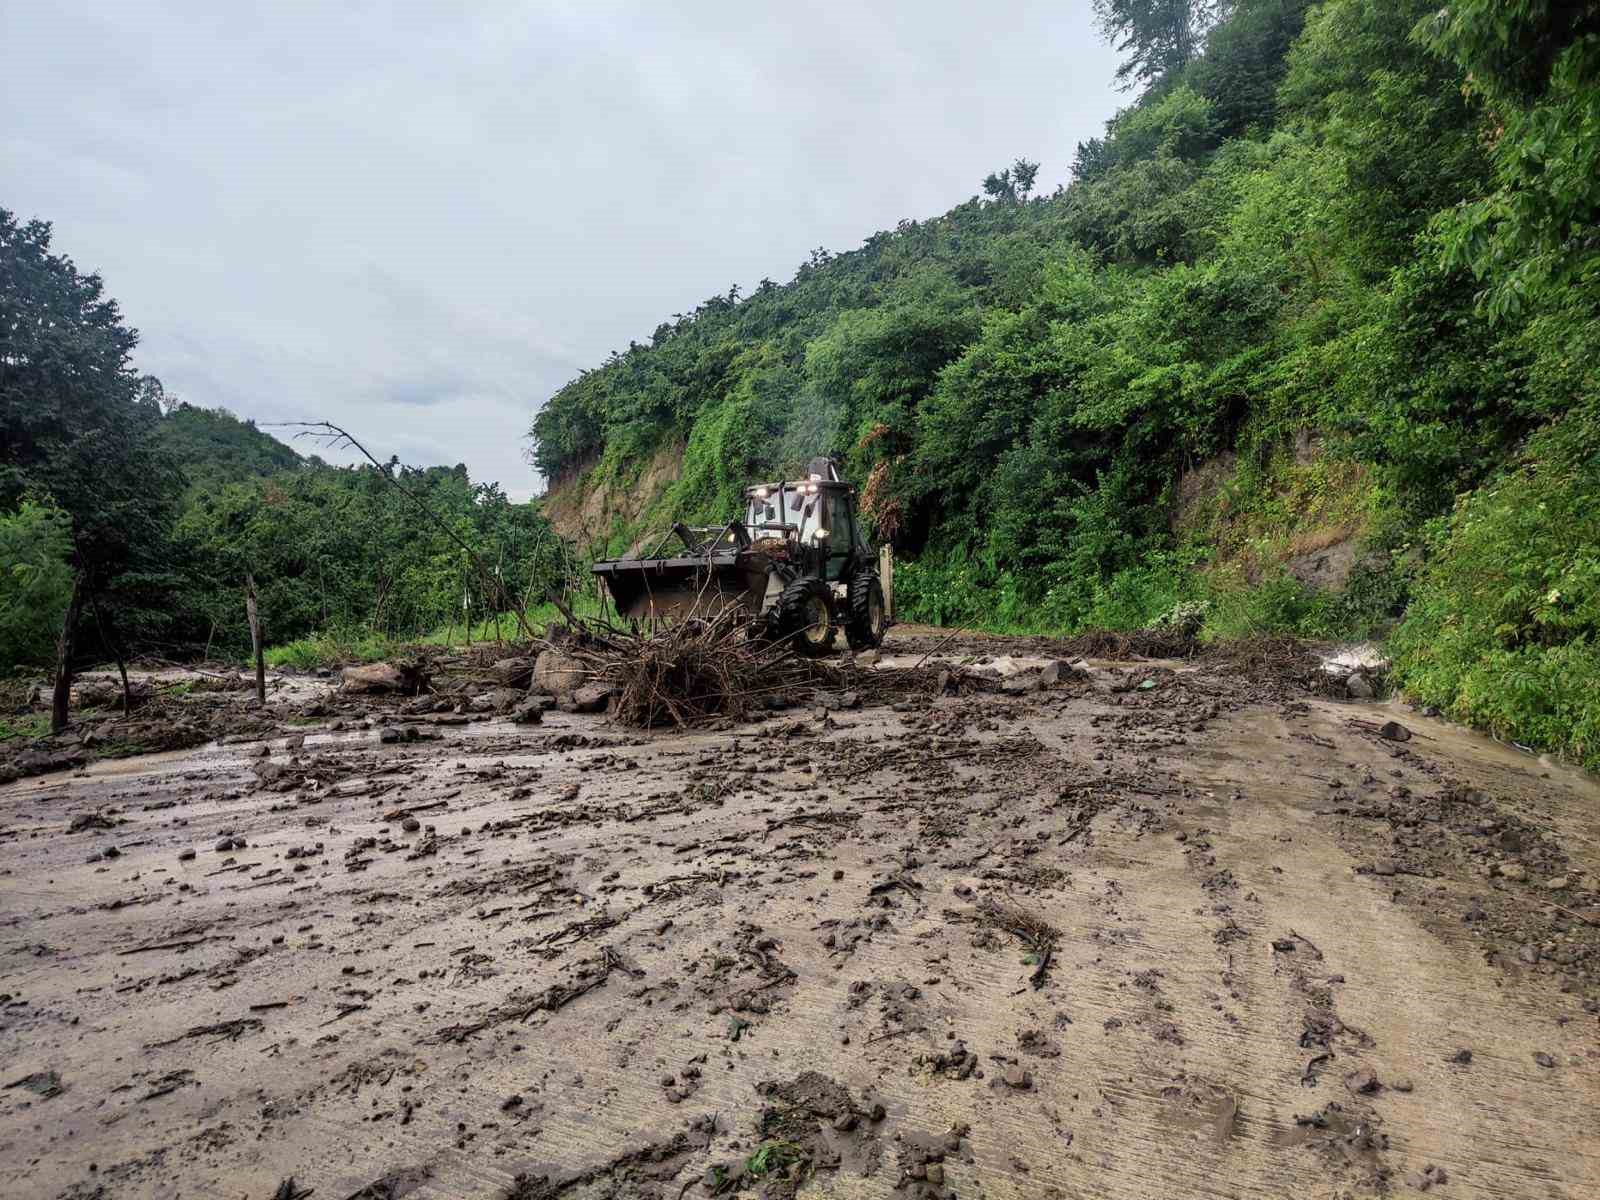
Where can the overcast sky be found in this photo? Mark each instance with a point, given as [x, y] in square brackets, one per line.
[420, 220]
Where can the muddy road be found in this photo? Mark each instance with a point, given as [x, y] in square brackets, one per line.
[1169, 931]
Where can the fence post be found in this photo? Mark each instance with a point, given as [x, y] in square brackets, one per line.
[886, 577]
[255, 636]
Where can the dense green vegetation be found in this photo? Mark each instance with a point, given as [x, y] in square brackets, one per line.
[216, 448]
[35, 581]
[77, 438]
[1332, 278]
[340, 551]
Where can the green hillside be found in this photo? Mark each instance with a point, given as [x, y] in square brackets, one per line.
[1308, 343]
[214, 447]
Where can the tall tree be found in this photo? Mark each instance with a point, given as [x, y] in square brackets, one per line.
[1159, 36]
[998, 187]
[1023, 173]
[1012, 185]
[77, 423]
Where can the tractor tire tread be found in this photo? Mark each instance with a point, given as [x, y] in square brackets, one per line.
[858, 623]
[787, 618]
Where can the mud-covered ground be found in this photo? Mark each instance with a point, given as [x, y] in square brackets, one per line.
[1169, 931]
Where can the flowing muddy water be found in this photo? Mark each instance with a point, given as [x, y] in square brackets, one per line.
[1161, 933]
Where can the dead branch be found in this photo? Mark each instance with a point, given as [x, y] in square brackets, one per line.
[722, 666]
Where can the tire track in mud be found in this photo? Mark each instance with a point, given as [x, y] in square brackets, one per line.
[1373, 954]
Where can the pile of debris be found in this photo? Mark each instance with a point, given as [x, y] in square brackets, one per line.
[167, 713]
[691, 672]
[1285, 661]
[711, 669]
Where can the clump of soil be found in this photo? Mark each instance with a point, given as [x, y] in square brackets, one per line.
[809, 1126]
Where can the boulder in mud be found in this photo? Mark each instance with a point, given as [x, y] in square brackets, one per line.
[1359, 686]
[514, 672]
[529, 712]
[590, 698]
[1058, 671]
[373, 679]
[95, 692]
[556, 673]
[1103, 681]
[1363, 1081]
[839, 701]
[500, 700]
[39, 762]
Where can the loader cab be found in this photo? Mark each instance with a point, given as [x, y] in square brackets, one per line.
[817, 515]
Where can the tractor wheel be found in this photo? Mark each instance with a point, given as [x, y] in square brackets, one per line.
[803, 618]
[869, 617]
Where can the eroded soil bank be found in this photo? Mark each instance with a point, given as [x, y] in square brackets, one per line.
[1176, 930]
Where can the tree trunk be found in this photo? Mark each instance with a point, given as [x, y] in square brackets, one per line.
[63, 691]
[255, 637]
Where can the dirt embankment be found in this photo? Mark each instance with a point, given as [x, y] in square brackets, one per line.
[585, 511]
[1153, 929]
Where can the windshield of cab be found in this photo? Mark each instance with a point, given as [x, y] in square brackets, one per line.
[761, 512]
[781, 506]
[778, 506]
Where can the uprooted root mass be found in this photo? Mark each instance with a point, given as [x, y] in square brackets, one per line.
[703, 670]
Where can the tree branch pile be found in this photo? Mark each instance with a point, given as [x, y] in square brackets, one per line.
[705, 670]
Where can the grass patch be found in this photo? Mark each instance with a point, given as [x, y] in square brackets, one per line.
[344, 647]
[331, 648]
[33, 725]
[772, 1157]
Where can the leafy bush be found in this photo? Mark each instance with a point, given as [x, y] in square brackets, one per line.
[1279, 604]
[35, 584]
[1504, 626]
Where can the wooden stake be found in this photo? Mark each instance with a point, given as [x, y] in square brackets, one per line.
[255, 637]
[63, 689]
[500, 583]
[886, 578]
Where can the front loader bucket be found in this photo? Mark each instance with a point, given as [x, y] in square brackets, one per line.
[669, 590]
